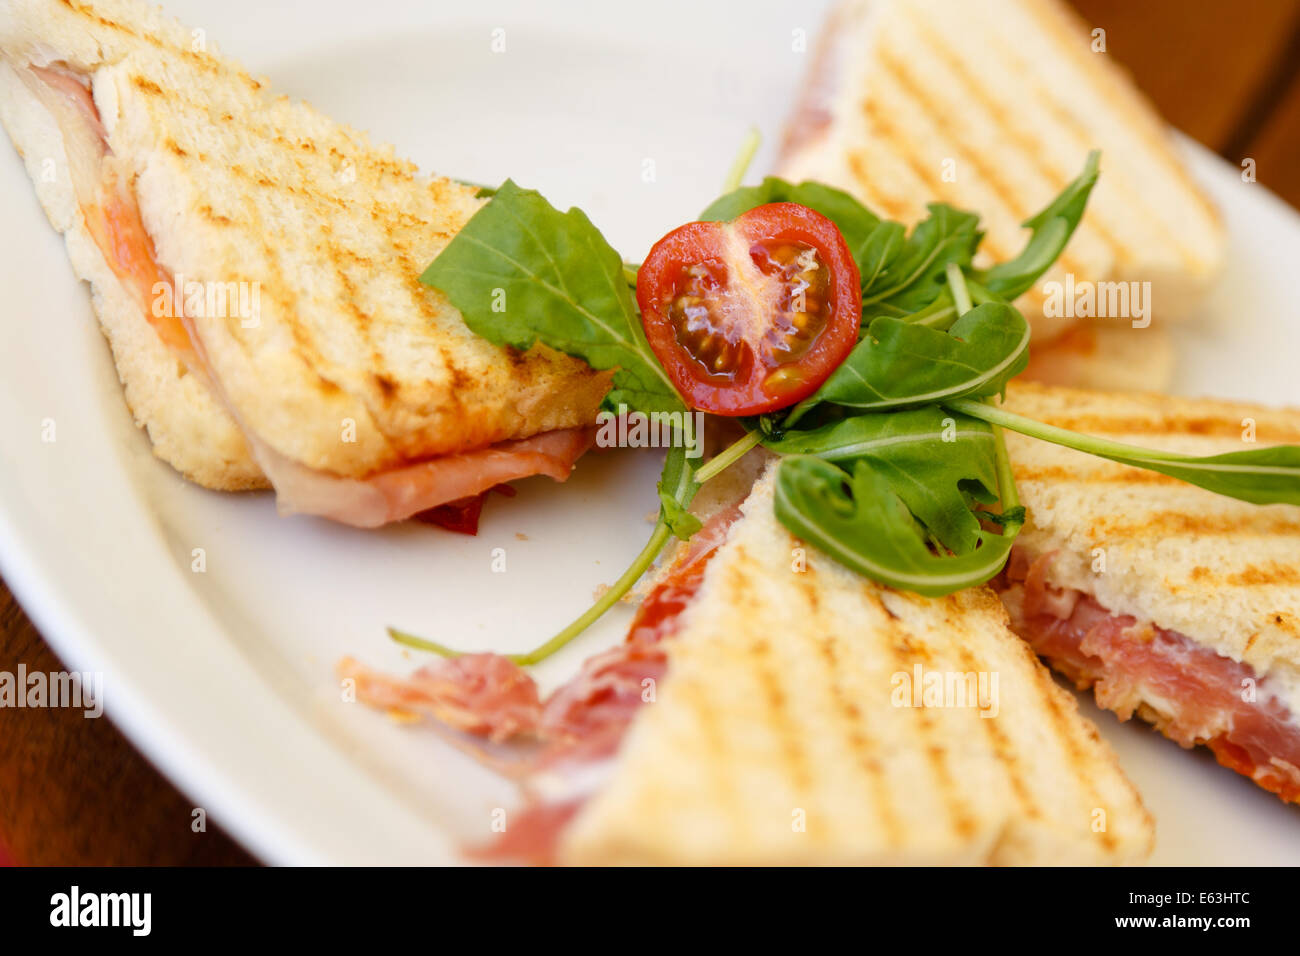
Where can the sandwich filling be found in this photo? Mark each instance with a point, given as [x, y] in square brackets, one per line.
[111, 212]
[1190, 693]
[570, 739]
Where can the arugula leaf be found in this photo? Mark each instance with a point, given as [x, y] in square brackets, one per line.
[854, 221]
[520, 272]
[861, 520]
[914, 276]
[1261, 476]
[880, 248]
[677, 487]
[925, 454]
[1052, 229]
[901, 363]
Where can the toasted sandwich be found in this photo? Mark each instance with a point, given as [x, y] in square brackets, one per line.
[1171, 602]
[254, 266]
[993, 106]
[771, 707]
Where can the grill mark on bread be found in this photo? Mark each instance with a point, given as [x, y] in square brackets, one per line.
[1209, 426]
[1141, 412]
[1064, 118]
[891, 208]
[931, 185]
[852, 725]
[1003, 191]
[335, 254]
[1268, 574]
[960, 819]
[1066, 29]
[461, 380]
[368, 164]
[899, 636]
[89, 12]
[777, 713]
[146, 85]
[1004, 120]
[302, 348]
[708, 724]
[423, 295]
[1168, 523]
[200, 60]
[207, 212]
[1067, 731]
[1105, 473]
[387, 387]
[1008, 759]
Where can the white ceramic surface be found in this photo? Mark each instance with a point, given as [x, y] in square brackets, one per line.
[225, 678]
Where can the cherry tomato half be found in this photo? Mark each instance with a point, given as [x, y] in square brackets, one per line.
[751, 315]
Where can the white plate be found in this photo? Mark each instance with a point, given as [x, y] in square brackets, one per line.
[225, 678]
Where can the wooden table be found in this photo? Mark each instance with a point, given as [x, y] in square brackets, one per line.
[73, 791]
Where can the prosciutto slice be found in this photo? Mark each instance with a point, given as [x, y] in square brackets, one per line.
[410, 489]
[568, 741]
[111, 213]
[1191, 694]
[483, 694]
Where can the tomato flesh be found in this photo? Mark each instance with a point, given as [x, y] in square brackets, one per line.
[752, 315]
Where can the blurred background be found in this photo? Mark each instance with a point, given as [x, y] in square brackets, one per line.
[1225, 73]
[75, 792]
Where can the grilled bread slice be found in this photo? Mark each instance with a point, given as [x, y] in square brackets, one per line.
[785, 731]
[1185, 604]
[352, 366]
[993, 107]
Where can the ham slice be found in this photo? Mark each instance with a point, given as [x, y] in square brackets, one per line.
[483, 694]
[569, 740]
[106, 200]
[112, 216]
[401, 492]
[1191, 694]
